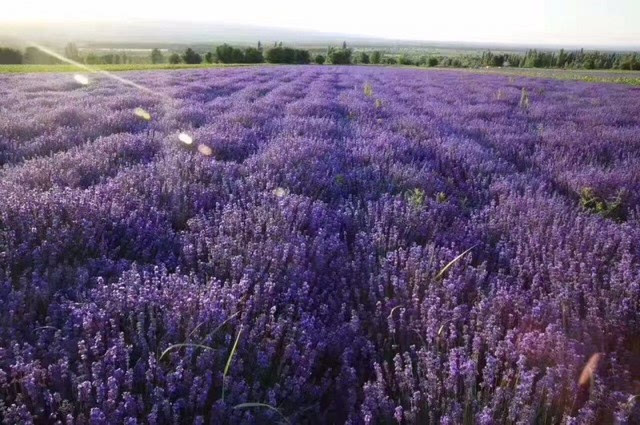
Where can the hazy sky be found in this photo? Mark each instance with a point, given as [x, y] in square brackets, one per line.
[593, 22]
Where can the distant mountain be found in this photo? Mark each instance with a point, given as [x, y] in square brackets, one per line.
[166, 33]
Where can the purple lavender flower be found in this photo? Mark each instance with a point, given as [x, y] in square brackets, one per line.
[317, 218]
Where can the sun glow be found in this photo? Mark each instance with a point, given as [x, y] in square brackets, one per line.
[526, 21]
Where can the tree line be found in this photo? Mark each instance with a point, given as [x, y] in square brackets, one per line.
[577, 59]
[224, 53]
[344, 55]
[278, 54]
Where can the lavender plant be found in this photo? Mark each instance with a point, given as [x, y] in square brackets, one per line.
[312, 254]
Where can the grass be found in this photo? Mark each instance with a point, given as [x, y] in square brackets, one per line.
[446, 268]
[261, 405]
[591, 76]
[24, 69]
[226, 368]
[615, 76]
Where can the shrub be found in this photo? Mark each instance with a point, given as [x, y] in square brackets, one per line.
[174, 59]
[433, 62]
[376, 57]
[319, 59]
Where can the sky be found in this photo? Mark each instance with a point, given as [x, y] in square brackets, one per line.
[569, 22]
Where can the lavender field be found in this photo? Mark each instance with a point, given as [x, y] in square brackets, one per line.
[319, 245]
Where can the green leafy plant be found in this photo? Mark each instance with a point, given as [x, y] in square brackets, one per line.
[262, 406]
[525, 101]
[368, 90]
[613, 209]
[416, 197]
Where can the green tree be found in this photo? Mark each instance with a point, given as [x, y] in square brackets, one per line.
[108, 59]
[405, 60]
[156, 56]
[319, 59]
[562, 59]
[253, 55]
[376, 57]
[174, 59]
[340, 56]
[191, 57]
[10, 56]
[288, 55]
[229, 54]
[71, 52]
[433, 62]
[92, 59]
[33, 55]
[497, 60]
[363, 57]
[208, 58]
[302, 57]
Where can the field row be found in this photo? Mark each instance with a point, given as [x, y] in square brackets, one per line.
[284, 236]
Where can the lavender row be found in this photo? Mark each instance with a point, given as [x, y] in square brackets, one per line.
[309, 220]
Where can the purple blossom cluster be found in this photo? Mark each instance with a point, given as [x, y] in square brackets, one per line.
[293, 263]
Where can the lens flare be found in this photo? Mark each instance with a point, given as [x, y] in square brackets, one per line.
[81, 79]
[589, 371]
[205, 150]
[95, 70]
[280, 192]
[185, 138]
[141, 113]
